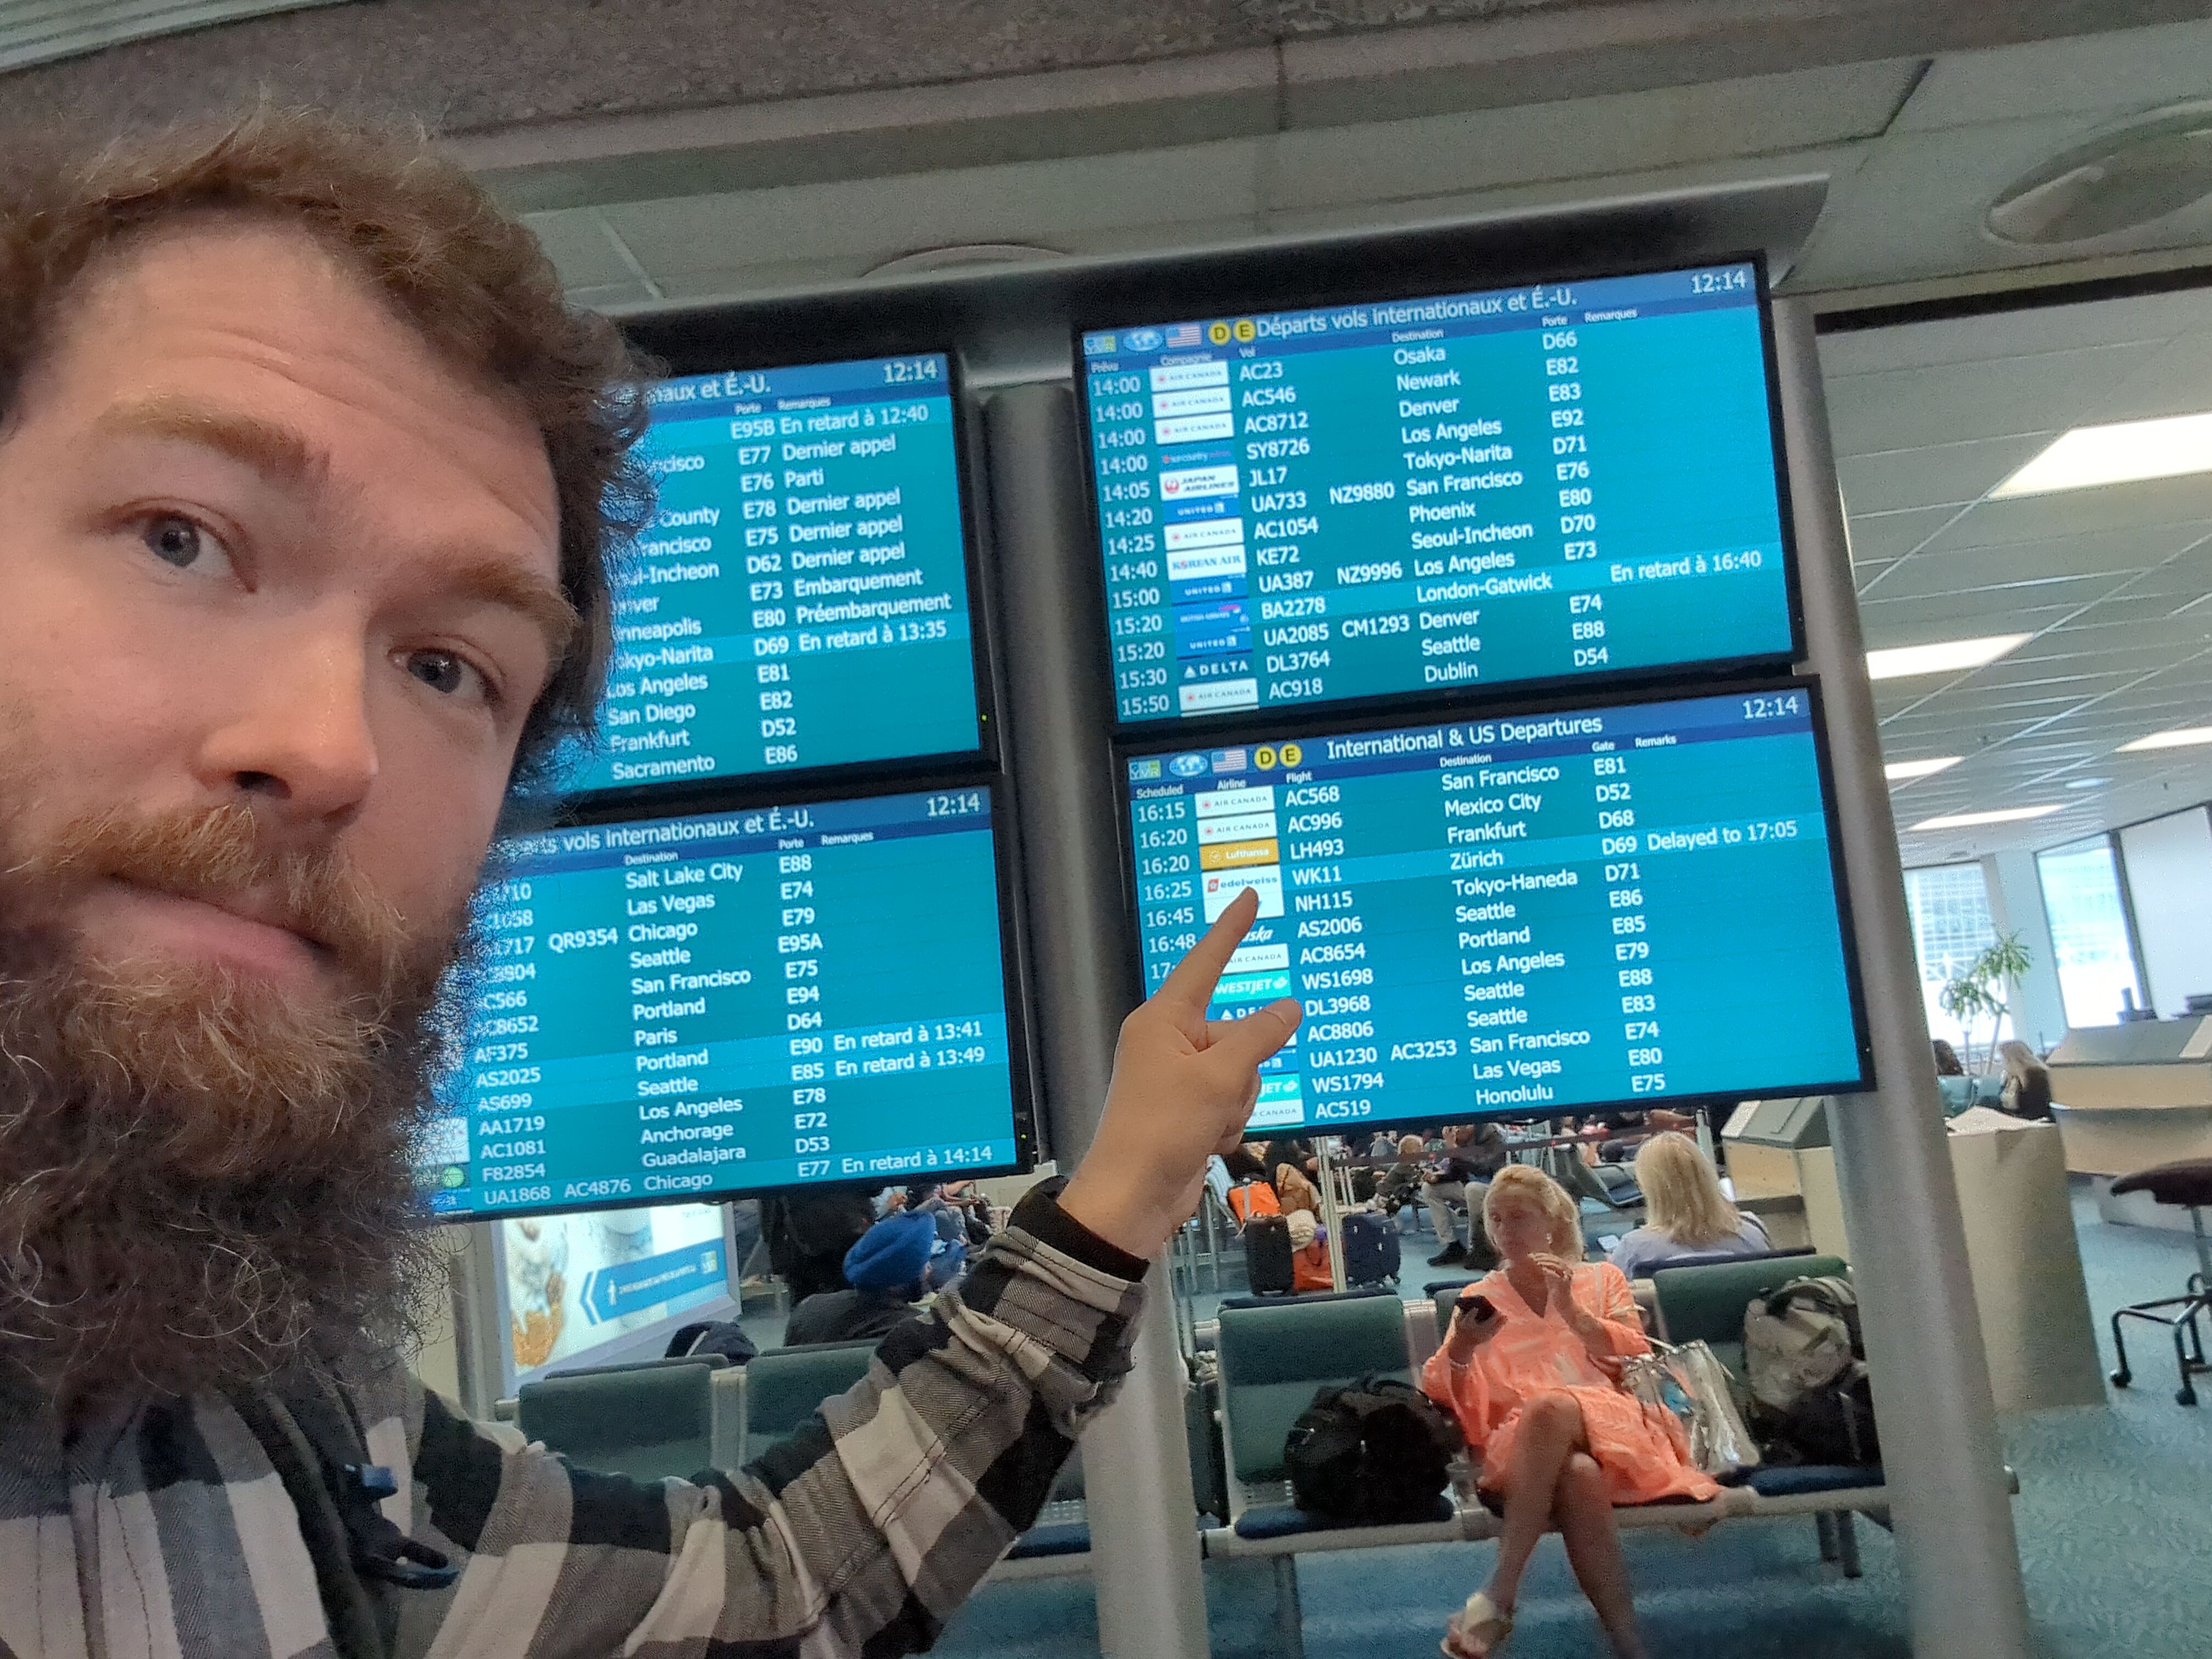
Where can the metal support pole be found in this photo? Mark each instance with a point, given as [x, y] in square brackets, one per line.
[1931, 1380]
[1332, 1217]
[1144, 1535]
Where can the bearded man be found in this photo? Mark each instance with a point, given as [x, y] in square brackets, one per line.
[308, 481]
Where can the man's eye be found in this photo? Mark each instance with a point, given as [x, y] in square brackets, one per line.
[175, 541]
[441, 671]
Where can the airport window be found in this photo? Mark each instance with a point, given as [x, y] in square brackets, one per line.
[2088, 931]
[1951, 925]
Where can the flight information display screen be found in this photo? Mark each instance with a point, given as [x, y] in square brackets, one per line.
[1412, 495]
[686, 1007]
[1519, 915]
[800, 599]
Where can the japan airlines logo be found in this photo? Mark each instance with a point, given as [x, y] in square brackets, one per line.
[1143, 339]
[1188, 766]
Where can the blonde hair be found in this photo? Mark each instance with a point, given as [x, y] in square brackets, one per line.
[1682, 1192]
[2020, 1061]
[1410, 1146]
[1527, 1184]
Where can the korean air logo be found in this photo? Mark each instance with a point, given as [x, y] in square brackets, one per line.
[1144, 339]
[1188, 766]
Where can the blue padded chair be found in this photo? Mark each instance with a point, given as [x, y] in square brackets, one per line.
[783, 1387]
[1273, 1359]
[648, 1421]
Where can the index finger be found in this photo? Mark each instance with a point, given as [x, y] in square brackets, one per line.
[1189, 987]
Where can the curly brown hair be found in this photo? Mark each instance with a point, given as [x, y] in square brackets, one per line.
[447, 257]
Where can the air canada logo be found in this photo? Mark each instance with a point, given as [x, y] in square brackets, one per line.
[1186, 766]
[1143, 339]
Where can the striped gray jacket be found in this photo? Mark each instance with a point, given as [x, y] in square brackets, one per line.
[173, 1538]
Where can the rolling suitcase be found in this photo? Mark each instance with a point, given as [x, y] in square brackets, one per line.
[1267, 1260]
[1371, 1247]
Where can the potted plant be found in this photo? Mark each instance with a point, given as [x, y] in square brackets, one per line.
[1976, 993]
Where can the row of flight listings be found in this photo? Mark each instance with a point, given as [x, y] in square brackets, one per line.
[1389, 503]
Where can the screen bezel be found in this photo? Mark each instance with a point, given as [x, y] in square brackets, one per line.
[1217, 298]
[1020, 1074]
[1127, 747]
[699, 348]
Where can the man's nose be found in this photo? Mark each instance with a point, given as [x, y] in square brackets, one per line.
[297, 732]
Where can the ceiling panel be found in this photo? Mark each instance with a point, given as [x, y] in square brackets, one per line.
[877, 219]
[2136, 68]
[2112, 583]
[1668, 126]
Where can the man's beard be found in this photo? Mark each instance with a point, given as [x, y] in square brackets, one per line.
[206, 1181]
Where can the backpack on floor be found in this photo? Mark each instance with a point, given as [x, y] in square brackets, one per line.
[1374, 1451]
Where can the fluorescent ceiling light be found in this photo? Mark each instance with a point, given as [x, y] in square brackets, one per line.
[1948, 657]
[1905, 771]
[2122, 453]
[2181, 737]
[1967, 820]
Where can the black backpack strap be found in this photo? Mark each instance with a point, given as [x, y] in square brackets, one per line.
[359, 1622]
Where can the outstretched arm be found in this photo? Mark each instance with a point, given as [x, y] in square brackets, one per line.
[868, 1528]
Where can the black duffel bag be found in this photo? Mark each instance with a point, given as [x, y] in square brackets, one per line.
[1374, 1451]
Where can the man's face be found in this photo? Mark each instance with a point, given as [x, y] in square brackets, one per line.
[261, 550]
[277, 593]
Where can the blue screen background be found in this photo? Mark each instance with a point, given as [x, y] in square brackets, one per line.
[1415, 497]
[801, 598]
[1516, 915]
[677, 1006]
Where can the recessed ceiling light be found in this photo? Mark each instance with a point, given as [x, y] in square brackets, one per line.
[2180, 737]
[2086, 783]
[1946, 657]
[1905, 771]
[2003, 814]
[2124, 451]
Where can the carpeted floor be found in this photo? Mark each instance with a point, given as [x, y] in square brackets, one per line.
[2115, 1522]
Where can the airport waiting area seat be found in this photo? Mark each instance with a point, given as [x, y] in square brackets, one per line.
[649, 1420]
[1275, 1355]
[783, 1387]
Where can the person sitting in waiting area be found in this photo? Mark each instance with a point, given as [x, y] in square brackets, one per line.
[1947, 1059]
[1686, 1212]
[1472, 1153]
[1530, 1367]
[2026, 1080]
[1402, 1181]
[889, 1271]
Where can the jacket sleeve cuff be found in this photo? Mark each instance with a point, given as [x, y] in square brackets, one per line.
[1040, 1216]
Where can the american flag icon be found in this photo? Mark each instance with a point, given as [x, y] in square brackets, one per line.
[1229, 760]
[1182, 334]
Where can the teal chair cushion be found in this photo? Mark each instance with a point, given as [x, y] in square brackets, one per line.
[647, 1421]
[783, 1387]
[1706, 1304]
[1273, 1358]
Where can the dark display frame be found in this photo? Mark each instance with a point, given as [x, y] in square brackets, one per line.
[1423, 277]
[1273, 725]
[709, 344]
[1021, 1072]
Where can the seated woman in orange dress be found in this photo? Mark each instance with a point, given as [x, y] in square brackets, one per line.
[1531, 1367]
